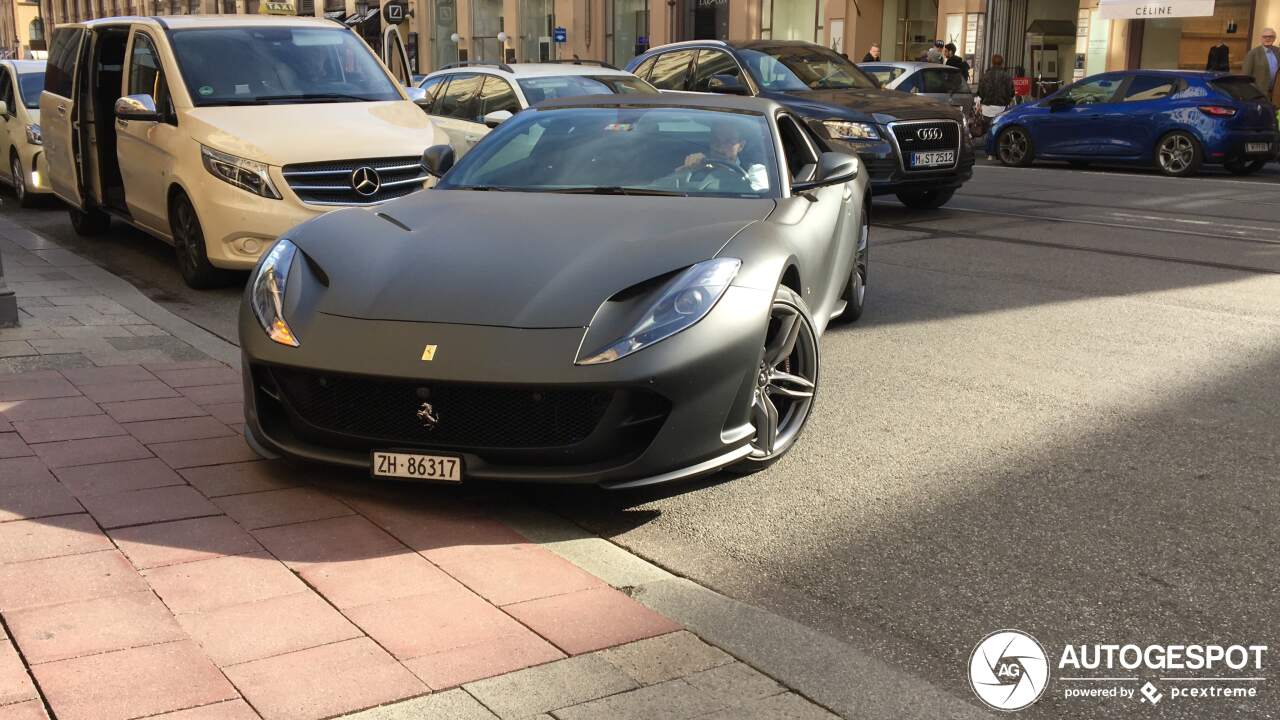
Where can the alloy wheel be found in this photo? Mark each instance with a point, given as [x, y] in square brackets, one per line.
[1014, 145]
[19, 181]
[186, 231]
[785, 382]
[860, 276]
[1176, 154]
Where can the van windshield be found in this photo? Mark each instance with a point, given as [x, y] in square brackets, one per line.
[269, 65]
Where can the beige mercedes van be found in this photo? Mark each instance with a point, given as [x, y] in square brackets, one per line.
[20, 143]
[219, 133]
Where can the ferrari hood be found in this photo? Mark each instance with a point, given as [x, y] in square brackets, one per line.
[315, 132]
[511, 259]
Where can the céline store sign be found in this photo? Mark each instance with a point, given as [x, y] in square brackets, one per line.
[1153, 9]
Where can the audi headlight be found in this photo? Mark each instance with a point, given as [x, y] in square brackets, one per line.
[245, 174]
[269, 282]
[842, 130]
[684, 301]
[33, 134]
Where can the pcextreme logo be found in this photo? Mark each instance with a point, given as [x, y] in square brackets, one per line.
[1009, 670]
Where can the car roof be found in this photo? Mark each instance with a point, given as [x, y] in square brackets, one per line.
[697, 101]
[184, 22]
[26, 66]
[540, 69]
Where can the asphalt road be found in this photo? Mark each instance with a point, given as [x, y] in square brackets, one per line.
[1060, 413]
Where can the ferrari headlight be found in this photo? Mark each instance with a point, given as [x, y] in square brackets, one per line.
[245, 174]
[33, 134]
[267, 294]
[842, 130]
[683, 302]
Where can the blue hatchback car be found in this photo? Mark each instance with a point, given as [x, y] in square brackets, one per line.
[1173, 119]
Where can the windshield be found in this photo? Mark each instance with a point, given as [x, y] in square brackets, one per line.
[537, 89]
[260, 65]
[939, 80]
[804, 67]
[628, 150]
[30, 85]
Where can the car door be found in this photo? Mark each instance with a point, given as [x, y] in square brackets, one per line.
[455, 110]
[1073, 122]
[12, 132]
[1133, 121]
[145, 149]
[819, 233]
[58, 116]
[671, 71]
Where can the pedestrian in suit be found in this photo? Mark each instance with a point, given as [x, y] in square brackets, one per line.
[1263, 61]
[873, 55]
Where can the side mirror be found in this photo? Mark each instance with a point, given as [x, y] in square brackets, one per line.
[437, 160]
[726, 85]
[4, 108]
[137, 107]
[417, 95]
[833, 169]
[497, 117]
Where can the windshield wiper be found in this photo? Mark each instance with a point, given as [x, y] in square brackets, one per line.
[311, 97]
[619, 190]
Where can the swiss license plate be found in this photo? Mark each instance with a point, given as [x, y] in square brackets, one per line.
[933, 159]
[1256, 147]
[414, 466]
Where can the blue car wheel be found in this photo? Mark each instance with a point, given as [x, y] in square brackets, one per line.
[1178, 154]
[1014, 147]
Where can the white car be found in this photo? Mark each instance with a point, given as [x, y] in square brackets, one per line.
[21, 82]
[466, 100]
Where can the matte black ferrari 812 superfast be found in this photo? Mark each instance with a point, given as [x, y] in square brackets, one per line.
[611, 290]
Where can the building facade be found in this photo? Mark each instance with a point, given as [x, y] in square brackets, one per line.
[1054, 41]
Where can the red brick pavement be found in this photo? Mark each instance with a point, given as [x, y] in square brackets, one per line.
[151, 565]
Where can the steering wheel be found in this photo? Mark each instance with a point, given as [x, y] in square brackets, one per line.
[709, 165]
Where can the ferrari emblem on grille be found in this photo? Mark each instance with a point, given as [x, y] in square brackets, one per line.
[427, 416]
[429, 353]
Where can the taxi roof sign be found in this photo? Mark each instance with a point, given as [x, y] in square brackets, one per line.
[276, 7]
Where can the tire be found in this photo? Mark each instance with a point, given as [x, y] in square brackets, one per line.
[25, 199]
[1178, 154]
[1245, 167]
[926, 199]
[855, 291]
[786, 382]
[190, 249]
[1014, 147]
[89, 223]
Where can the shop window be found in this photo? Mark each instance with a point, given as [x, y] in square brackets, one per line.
[537, 18]
[228, 7]
[444, 50]
[711, 63]
[671, 70]
[627, 29]
[1150, 87]
[705, 20]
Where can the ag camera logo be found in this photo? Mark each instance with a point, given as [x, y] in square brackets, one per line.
[1008, 670]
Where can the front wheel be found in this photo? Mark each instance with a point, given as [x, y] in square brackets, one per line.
[1245, 167]
[189, 246]
[88, 223]
[926, 199]
[855, 293]
[25, 198]
[786, 381]
[1014, 147]
[1178, 155]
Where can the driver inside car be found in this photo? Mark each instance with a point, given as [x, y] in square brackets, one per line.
[727, 142]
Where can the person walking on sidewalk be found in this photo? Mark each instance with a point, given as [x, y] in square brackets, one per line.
[996, 86]
[955, 61]
[1263, 61]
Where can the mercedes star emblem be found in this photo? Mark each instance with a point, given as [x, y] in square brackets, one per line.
[931, 133]
[365, 181]
[427, 416]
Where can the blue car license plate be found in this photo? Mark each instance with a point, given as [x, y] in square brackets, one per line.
[938, 158]
[1256, 147]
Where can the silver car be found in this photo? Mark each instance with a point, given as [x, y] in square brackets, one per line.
[931, 80]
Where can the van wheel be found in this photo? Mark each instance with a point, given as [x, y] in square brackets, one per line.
[189, 246]
[25, 199]
[88, 223]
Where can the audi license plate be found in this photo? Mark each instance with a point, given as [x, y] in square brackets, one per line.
[413, 466]
[1256, 147]
[933, 159]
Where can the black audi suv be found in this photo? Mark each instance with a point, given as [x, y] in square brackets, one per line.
[913, 147]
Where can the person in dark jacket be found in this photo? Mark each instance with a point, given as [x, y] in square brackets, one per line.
[954, 60]
[873, 55]
[996, 86]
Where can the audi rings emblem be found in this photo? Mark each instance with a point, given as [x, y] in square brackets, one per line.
[365, 181]
[930, 133]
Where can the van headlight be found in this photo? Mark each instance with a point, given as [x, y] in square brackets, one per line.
[682, 303]
[249, 175]
[33, 134]
[267, 292]
[841, 130]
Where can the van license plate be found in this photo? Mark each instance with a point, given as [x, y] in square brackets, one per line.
[1256, 147]
[443, 468]
[933, 159]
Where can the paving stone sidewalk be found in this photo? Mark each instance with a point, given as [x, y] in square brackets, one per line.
[151, 565]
